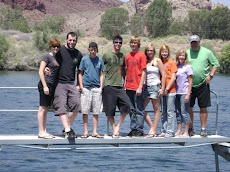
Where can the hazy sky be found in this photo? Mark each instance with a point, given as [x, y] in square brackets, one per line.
[225, 2]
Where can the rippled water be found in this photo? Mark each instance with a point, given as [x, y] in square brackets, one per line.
[27, 159]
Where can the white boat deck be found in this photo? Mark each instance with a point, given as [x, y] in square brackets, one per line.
[108, 140]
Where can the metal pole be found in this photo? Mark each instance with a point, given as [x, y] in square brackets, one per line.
[216, 158]
[107, 126]
[217, 111]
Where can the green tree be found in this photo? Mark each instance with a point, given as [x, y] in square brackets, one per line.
[14, 19]
[54, 24]
[4, 46]
[113, 22]
[178, 27]
[136, 24]
[198, 23]
[224, 60]
[220, 23]
[158, 18]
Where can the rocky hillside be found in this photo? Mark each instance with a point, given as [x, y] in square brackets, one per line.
[180, 7]
[86, 14]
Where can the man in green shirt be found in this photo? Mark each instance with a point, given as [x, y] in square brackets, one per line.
[113, 93]
[201, 59]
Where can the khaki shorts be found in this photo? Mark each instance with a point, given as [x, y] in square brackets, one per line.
[66, 96]
[91, 98]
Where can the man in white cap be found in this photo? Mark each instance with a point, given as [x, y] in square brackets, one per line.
[201, 59]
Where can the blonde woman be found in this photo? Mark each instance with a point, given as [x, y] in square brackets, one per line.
[154, 87]
[168, 98]
[184, 79]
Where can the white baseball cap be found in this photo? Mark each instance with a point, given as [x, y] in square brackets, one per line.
[194, 38]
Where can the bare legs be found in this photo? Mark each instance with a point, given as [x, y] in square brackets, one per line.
[179, 130]
[203, 117]
[156, 106]
[66, 120]
[116, 129]
[42, 116]
[95, 124]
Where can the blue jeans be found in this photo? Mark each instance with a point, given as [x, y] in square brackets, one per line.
[168, 114]
[182, 109]
[136, 110]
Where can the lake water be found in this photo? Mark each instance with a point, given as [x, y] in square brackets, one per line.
[26, 159]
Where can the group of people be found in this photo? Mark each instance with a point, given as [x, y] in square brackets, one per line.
[128, 82]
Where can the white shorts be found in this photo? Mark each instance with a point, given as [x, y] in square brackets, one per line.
[91, 99]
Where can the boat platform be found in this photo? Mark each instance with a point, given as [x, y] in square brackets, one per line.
[108, 140]
[220, 144]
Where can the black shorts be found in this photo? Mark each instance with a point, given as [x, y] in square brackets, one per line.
[115, 96]
[46, 100]
[202, 93]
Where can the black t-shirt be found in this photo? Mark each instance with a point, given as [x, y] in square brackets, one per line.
[68, 61]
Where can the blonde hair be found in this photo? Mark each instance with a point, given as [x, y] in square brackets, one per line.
[164, 47]
[135, 39]
[147, 48]
[178, 54]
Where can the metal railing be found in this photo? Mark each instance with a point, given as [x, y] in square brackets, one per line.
[31, 110]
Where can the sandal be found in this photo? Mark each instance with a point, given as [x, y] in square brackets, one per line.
[97, 136]
[115, 136]
[151, 135]
[45, 136]
[85, 136]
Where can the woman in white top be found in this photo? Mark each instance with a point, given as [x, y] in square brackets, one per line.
[154, 89]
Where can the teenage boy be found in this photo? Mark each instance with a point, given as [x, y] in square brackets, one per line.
[113, 93]
[91, 79]
[135, 75]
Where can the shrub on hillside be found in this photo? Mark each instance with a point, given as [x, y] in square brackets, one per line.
[4, 46]
[54, 24]
[41, 39]
[13, 19]
[224, 60]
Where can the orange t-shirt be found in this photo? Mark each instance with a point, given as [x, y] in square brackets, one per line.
[170, 67]
[135, 63]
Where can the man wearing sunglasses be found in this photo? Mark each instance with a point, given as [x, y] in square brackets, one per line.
[113, 92]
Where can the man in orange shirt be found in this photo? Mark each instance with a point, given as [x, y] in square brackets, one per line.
[135, 75]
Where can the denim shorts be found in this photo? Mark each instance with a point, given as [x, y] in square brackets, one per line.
[91, 98]
[152, 91]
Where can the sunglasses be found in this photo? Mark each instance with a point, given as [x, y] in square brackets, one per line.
[56, 46]
[117, 42]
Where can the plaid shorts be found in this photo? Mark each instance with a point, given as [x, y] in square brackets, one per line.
[91, 99]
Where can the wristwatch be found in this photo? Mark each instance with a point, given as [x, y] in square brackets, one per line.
[211, 76]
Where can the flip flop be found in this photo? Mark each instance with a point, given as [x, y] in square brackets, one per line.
[115, 136]
[97, 136]
[151, 135]
[45, 136]
[85, 136]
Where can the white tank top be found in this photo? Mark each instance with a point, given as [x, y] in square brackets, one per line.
[153, 76]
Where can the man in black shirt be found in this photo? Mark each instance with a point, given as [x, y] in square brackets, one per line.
[66, 93]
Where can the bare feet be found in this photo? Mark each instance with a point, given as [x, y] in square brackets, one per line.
[151, 134]
[178, 133]
[185, 135]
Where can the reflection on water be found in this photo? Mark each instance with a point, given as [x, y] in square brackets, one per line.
[22, 159]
